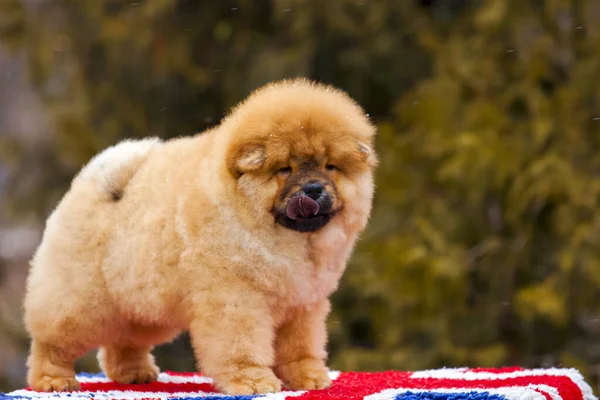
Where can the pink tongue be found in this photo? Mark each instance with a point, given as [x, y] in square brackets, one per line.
[301, 206]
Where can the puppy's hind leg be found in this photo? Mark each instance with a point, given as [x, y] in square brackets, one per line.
[126, 364]
[62, 329]
[51, 366]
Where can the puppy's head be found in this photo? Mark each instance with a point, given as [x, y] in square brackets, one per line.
[301, 154]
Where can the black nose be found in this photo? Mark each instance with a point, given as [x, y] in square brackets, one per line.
[314, 190]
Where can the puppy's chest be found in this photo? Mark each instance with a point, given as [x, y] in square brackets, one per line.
[318, 275]
[309, 283]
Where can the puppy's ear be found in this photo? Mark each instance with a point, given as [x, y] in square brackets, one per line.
[247, 158]
[366, 154]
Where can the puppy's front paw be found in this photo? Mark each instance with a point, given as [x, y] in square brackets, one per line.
[252, 380]
[145, 373]
[48, 383]
[306, 374]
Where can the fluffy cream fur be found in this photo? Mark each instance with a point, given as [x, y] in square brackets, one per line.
[158, 237]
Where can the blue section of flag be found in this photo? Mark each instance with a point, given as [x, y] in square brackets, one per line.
[448, 396]
[87, 375]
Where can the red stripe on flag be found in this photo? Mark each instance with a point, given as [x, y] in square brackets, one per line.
[546, 395]
[356, 385]
[149, 387]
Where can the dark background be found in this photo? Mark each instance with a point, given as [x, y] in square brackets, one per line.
[483, 248]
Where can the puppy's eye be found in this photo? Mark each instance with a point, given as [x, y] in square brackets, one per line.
[331, 167]
[285, 170]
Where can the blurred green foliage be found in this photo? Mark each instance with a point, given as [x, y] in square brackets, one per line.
[482, 249]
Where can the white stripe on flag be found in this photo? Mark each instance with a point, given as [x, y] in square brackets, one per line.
[168, 378]
[162, 377]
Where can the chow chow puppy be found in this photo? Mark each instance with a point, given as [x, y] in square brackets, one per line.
[238, 235]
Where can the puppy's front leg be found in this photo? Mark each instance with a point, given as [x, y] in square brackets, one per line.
[300, 348]
[233, 335]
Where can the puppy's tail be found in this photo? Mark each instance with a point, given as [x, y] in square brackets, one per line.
[111, 170]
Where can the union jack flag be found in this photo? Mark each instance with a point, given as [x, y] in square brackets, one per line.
[440, 384]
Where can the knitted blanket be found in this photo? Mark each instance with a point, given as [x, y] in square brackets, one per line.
[441, 384]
